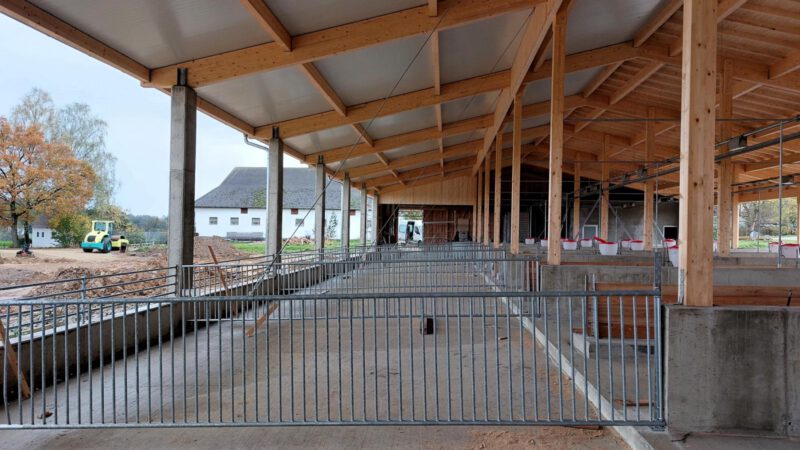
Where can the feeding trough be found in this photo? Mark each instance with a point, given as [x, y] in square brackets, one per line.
[586, 243]
[543, 243]
[607, 248]
[668, 243]
[626, 243]
[774, 247]
[791, 251]
[569, 244]
[530, 241]
[637, 245]
[673, 255]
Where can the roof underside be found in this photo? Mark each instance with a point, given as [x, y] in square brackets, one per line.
[399, 93]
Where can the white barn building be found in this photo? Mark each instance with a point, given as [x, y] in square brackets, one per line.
[236, 209]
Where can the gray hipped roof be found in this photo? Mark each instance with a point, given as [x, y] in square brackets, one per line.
[245, 187]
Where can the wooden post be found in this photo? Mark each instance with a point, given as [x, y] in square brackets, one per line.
[13, 366]
[556, 137]
[576, 202]
[724, 211]
[479, 210]
[604, 180]
[222, 279]
[798, 221]
[516, 171]
[735, 222]
[498, 186]
[487, 177]
[649, 186]
[698, 105]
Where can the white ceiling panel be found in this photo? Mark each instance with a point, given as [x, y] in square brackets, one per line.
[468, 107]
[267, 97]
[574, 82]
[461, 138]
[324, 140]
[301, 17]
[158, 32]
[481, 47]
[404, 122]
[356, 162]
[374, 73]
[411, 149]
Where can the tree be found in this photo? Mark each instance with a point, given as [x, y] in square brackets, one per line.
[77, 127]
[70, 229]
[38, 177]
[330, 230]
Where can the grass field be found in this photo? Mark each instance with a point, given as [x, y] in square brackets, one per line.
[5, 244]
[746, 243]
[258, 247]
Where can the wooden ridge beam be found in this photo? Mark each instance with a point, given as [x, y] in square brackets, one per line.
[261, 12]
[533, 36]
[467, 148]
[334, 41]
[413, 174]
[656, 22]
[430, 180]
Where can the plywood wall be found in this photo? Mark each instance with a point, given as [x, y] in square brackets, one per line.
[458, 191]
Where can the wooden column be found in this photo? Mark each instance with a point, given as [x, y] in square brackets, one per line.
[556, 137]
[724, 211]
[345, 227]
[604, 180]
[735, 222]
[516, 171]
[698, 104]
[487, 177]
[498, 186]
[576, 202]
[798, 221]
[649, 186]
[479, 211]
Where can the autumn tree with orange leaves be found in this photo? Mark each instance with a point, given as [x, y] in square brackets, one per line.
[38, 177]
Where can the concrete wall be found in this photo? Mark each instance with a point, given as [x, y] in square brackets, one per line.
[733, 369]
[633, 219]
[290, 222]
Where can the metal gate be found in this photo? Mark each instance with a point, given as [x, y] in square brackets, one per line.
[433, 336]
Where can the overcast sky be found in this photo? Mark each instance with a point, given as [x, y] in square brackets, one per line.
[138, 118]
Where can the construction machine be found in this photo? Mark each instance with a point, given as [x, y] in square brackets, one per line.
[103, 239]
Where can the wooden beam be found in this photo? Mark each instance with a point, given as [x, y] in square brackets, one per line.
[698, 111]
[400, 140]
[656, 22]
[261, 12]
[46, 23]
[430, 180]
[498, 188]
[516, 172]
[649, 186]
[362, 132]
[724, 9]
[324, 88]
[415, 174]
[464, 149]
[487, 176]
[576, 201]
[788, 64]
[479, 211]
[724, 188]
[601, 78]
[449, 92]
[604, 169]
[334, 41]
[760, 74]
[433, 8]
[641, 76]
[534, 34]
[559, 27]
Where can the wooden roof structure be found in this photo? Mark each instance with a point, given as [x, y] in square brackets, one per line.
[409, 92]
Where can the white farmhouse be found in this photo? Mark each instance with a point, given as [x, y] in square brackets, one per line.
[236, 209]
[41, 234]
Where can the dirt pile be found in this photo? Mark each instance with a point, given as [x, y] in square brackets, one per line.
[299, 240]
[106, 283]
[223, 249]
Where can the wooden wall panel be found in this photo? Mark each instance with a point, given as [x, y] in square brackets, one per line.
[458, 191]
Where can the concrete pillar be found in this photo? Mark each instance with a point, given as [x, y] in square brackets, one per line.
[345, 236]
[516, 172]
[479, 211]
[725, 168]
[364, 215]
[319, 207]
[649, 185]
[798, 220]
[275, 194]
[182, 157]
